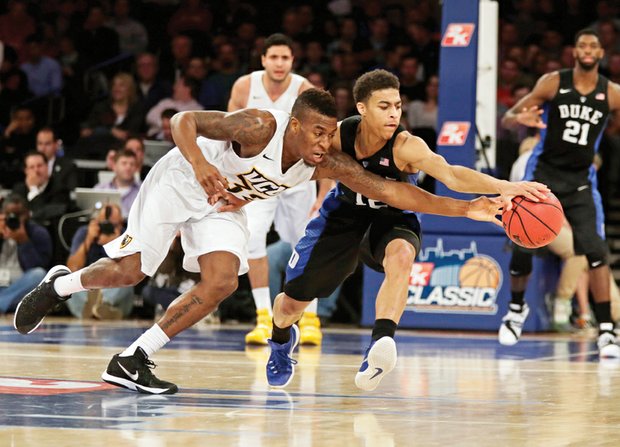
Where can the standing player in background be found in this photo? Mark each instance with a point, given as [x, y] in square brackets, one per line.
[351, 226]
[576, 104]
[276, 87]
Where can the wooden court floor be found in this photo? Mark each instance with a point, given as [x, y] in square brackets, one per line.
[448, 388]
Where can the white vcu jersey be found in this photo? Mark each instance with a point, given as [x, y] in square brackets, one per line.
[261, 176]
[172, 200]
[289, 211]
[259, 99]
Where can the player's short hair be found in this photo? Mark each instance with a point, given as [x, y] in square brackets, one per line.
[587, 32]
[314, 99]
[277, 39]
[372, 81]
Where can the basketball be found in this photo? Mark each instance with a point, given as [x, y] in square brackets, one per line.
[533, 224]
[480, 271]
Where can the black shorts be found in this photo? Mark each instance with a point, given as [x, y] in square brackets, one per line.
[336, 240]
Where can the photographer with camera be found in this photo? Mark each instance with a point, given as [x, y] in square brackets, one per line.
[86, 248]
[25, 252]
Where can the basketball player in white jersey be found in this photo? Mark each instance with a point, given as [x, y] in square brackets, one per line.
[276, 87]
[251, 154]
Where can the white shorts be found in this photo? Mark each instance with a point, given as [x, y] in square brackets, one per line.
[289, 212]
[171, 199]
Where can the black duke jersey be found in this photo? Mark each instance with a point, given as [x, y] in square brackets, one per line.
[380, 163]
[575, 123]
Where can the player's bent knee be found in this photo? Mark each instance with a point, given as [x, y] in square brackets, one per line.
[399, 255]
[221, 287]
[290, 306]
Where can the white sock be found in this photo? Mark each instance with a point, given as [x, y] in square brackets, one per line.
[68, 284]
[151, 341]
[262, 299]
[312, 307]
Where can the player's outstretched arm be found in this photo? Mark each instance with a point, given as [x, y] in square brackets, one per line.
[340, 166]
[415, 153]
[252, 129]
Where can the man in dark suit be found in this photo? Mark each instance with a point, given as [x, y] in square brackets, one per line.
[62, 170]
[46, 201]
[151, 89]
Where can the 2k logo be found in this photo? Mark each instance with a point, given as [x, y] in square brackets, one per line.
[458, 35]
[453, 133]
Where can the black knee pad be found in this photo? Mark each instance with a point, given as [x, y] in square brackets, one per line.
[521, 262]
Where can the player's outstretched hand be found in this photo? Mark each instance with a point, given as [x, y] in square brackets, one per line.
[210, 178]
[531, 117]
[533, 191]
[486, 209]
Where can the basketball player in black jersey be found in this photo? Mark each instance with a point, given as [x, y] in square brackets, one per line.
[571, 108]
[351, 225]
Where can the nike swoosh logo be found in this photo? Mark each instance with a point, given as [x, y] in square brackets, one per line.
[268, 158]
[596, 264]
[564, 90]
[133, 376]
[379, 371]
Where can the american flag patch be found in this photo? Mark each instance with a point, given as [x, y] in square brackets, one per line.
[384, 161]
[600, 96]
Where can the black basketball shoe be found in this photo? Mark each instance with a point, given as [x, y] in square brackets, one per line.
[33, 308]
[134, 373]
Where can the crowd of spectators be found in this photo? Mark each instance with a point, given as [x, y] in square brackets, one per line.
[94, 78]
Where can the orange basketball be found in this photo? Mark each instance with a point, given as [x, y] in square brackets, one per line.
[533, 224]
[479, 271]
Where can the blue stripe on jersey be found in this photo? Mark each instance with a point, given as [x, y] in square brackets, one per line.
[598, 203]
[530, 167]
[314, 229]
[600, 135]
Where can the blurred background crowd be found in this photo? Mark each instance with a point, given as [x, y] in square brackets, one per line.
[85, 80]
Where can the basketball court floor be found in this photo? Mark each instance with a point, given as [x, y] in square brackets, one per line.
[448, 388]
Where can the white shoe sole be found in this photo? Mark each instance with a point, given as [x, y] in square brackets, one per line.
[381, 360]
[117, 381]
[610, 352]
[506, 337]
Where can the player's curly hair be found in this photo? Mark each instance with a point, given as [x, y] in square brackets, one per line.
[371, 81]
[314, 99]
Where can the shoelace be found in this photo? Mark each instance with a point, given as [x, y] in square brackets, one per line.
[282, 357]
[150, 364]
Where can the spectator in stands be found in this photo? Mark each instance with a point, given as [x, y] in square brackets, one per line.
[423, 114]
[226, 70]
[25, 252]
[86, 248]
[151, 89]
[316, 79]
[14, 83]
[125, 169]
[44, 200]
[132, 35]
[166, 133]
[183, 98]
[96, 42]
[208, 95]
[61, 170]
[315, 60]
[44, 73]
[20, 134]
[344, 101]
[427, 48]
[192, 15]
[509, 77]
[136, 145]
[68, 59]
[114, 119]
[181, 51]
[16, 25]
[408, 75]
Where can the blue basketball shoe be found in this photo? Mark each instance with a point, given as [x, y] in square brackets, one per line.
[379, 360]
[281, 366]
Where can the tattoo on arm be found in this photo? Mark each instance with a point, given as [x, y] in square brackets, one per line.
[246, 127]
[340, 166]
[182, 311]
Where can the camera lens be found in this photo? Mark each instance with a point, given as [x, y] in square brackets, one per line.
[12, 221]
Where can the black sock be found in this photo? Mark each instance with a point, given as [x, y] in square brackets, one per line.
[280, 335]
[517, 298]
[602, 312]
[383, 328]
